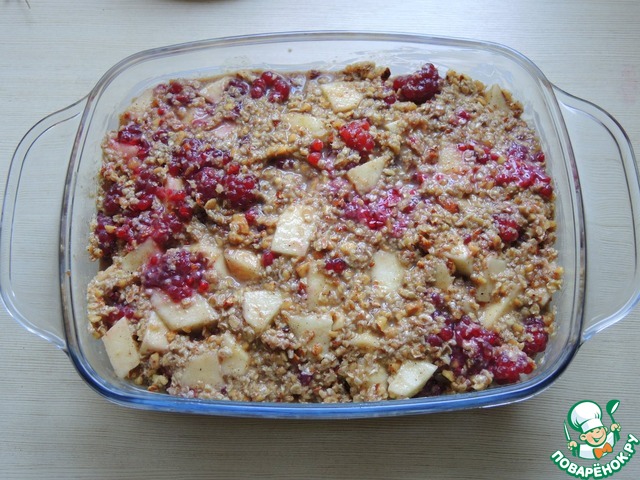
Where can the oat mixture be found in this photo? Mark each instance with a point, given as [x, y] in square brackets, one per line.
[323, 237]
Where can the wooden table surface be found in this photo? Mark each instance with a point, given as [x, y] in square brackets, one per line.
[53, 426]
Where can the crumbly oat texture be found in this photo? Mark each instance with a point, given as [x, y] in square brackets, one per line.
[323, 237]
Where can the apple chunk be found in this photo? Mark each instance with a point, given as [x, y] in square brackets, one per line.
[210, 249]
[294, 230]
[234, 361]
[306, 122]
[494, 311]
[342, 96]
[449, 158]
[155, 335]
[462, 259]
[121, 348]
[243, 264]
[410, 378]
[317, 325]
[203, 369]
[213, 91]
[178, 316]
[133, 260]
[364, 177]
[495, 97]
[260, 307]
[387, 272]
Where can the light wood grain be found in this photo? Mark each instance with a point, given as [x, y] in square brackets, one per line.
[53, 426]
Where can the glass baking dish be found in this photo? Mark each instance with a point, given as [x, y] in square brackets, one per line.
[49, 203]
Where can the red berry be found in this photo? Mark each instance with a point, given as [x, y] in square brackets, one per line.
[509, 365]
[538, 337]
[111, 201]
[525, 171]
[240, 190]
[105, 234]
[336, 265]
[508, 228]
[277, 87]
[175, 88]
[237, 87]
[314, 158]
[420, 86]
[356, 135]
[178, 273]
[317, 145]
[268, 258]
[207, 181]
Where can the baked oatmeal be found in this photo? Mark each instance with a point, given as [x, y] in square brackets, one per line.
[323, 237]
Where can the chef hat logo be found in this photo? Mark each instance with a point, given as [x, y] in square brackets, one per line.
[585, 416]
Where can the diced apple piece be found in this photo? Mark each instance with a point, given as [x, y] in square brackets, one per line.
[307, 122]
[317, 284]
[174, 183]
[342, 96]
[224, 130]
[364, 177]
[462, 259]
[496, 266]
[243, 264]
[203, 369]
[142, 103]
[365, 341]
[234, 361]
[155, 335]
[485, 290]
[126, 151]
[449, 158]
[178, 316]
[495, 97]
[394, 127]
[121, 348]
[294, 230]
[492, 313]
[319, 325]
[378, 377]
[387, 272]
[133, 260]
[442, 276]
[410, 378]
[210, 249]
[260, 307]
[214, 90]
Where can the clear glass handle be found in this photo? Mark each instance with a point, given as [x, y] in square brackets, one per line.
[610, 185]
[30, 227]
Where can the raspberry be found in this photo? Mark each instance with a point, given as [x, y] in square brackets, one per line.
[277, 87]
[524, 170]
[105, 234]
[132, 135]
[193, 155]
[420, 86]
[240, 190]
[178, 273]
[237, 87]
[111, 203]
[508, 228]
[508, 366]
[336, 265]
[356, 135]
[268, 258]
[535, 329]
[207, 181]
